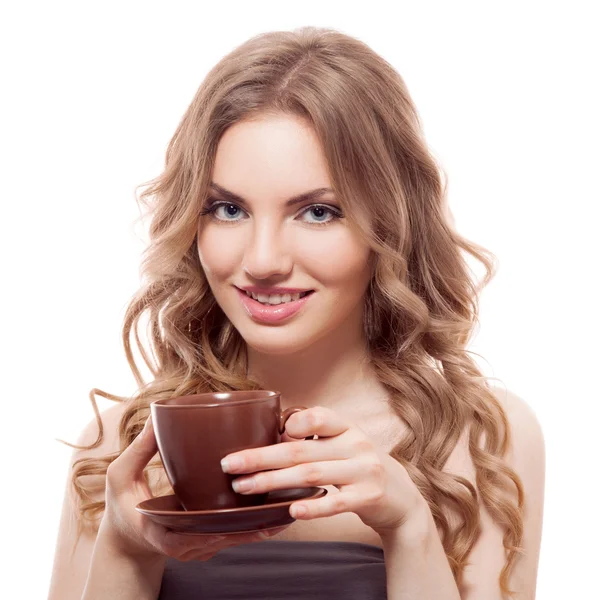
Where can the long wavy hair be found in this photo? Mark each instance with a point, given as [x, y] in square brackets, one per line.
[421, 306]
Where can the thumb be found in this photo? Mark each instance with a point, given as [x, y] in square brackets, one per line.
[129, 466]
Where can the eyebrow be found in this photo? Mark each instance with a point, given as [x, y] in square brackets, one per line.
[305, 197]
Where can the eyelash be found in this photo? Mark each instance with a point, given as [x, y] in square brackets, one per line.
[213, 205]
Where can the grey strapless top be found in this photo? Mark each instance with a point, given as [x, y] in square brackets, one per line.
[280, 570]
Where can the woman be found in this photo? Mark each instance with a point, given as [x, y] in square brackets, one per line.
[299, 175]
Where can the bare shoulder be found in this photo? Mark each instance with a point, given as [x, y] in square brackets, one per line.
[526, 456]
[110, 418]
[110, 444]
[72, 556]
[526, 430]
[526, 452]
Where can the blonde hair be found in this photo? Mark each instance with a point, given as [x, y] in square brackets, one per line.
[421, 306]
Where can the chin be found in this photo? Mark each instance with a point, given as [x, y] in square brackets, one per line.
[277, 345]
[276, 340]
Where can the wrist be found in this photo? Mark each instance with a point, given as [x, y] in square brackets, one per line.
[133, 576]
[110, 542]
[416, 530]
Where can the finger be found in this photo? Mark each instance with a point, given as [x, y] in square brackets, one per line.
[327, 506]
[129, 466]
[201, 549]
[216, 543]
[275, 456]
[286, 437]
[286, 454]
[220, 543]
[334, 472]
[177, 544]
[317, 420]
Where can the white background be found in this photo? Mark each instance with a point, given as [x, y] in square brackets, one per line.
[508, 93]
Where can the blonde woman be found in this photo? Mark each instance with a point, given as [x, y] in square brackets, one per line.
[301, 241]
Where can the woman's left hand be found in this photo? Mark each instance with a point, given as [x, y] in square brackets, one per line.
[371, 483]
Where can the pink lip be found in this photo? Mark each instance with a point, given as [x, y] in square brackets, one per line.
[270, 314]
[271, 290]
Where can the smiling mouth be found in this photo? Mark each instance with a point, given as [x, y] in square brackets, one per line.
[273, 309]
[276, 299]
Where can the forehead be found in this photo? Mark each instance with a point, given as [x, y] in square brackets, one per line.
[270, 157]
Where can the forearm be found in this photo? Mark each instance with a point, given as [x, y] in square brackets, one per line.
[416, 565]
[116, 576]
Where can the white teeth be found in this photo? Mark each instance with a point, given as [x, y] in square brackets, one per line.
[274, 299]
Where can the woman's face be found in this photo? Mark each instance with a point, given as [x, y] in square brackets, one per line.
[262, 242]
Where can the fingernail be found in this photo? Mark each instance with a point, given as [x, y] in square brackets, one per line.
[298, 511]
[231, 463]
[243, 485]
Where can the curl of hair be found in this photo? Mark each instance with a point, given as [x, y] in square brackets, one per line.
[421, 306]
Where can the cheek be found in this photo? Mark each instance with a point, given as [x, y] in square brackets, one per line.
[217, 257]
[336, 258]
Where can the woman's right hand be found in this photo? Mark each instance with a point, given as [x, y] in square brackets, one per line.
[134, 534]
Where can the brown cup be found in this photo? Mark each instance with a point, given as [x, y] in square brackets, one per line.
[195, 432]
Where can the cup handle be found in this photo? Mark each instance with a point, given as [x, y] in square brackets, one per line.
[286, 414]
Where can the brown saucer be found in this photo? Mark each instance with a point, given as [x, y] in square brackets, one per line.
[275, 512]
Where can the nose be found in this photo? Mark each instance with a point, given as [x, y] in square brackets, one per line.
[267, 254]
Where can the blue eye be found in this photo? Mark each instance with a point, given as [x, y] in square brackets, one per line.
[318, 211]
[227, 212]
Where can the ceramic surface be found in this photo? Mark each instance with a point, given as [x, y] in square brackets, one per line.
[167, 511]
[195, 432]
